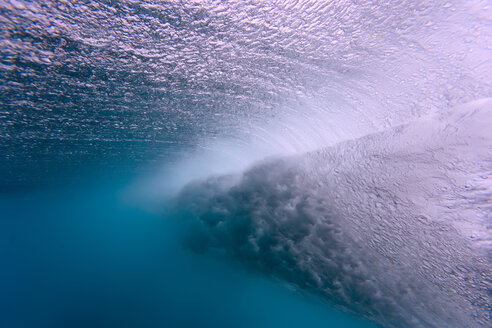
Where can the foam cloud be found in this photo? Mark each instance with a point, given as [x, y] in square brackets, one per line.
[392, 226]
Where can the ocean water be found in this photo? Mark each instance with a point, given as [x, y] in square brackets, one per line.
[85, 257]
[295, 163]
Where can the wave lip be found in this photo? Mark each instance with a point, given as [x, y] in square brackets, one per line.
[393, 226]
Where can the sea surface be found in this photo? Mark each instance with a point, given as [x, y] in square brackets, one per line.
[294, 163]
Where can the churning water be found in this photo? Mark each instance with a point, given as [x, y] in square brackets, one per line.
[260, 163]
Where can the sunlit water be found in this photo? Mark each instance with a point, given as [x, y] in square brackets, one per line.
[240, 163]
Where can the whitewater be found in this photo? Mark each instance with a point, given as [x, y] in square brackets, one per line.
[250, 163]
[394, 225]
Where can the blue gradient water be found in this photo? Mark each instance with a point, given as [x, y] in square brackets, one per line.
[245, 163]
[85, 257]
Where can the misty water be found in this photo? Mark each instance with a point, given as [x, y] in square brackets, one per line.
[260, 163]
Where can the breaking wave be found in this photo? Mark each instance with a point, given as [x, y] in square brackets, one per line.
[394, 226]
[379, 216]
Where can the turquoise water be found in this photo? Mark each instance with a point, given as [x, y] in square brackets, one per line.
[87, 257]
[339, 146]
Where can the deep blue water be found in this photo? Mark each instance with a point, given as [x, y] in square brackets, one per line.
[88, 257]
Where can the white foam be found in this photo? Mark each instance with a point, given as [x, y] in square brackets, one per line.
[393, 225]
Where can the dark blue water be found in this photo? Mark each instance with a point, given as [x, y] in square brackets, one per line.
[88, 257]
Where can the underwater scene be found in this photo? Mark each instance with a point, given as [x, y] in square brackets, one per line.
[212, 163]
